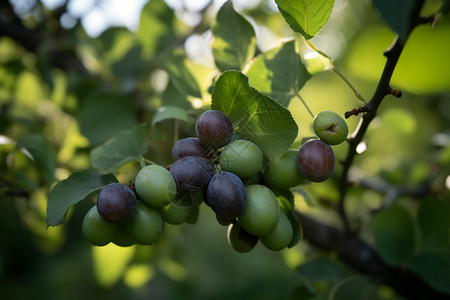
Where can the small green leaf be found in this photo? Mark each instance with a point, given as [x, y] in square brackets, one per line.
[279, 73]
[400, 15]
[122, 148]
[41, 153]
[72, 190]
[167, 112]
[156, 27]
[234, 42]
[287, 205]
[306, 17]
[434, 269]
[174, 63]
[255, 116]
[394, 233]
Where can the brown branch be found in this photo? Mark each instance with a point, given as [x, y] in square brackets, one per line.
[361, 256]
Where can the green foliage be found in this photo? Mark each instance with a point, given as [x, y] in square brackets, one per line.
[122, 148]
[306, 17]
[255, 116]
[234, 42]
[77, 113]
[279, 73]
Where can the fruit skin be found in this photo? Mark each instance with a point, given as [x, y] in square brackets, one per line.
[239, 239]
[116, 202]
[96, 230]
[282, 172]
[155, 185]
[189, 146]
[330, 127]
[242, 158]
[316, 160]
[226, 195]
[262, 212]
[192, 174]
[279, 237]
[146, 224]
[213, 128]
[175, 215]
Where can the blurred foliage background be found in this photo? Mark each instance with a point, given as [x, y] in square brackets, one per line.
[72, 77]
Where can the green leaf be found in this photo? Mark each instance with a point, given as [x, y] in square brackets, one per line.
[104, 114]
[122, 148]
[434, 269]
[174, 63]
[167, 112]
[255, 116]
[72, 190]
[279, 73]
[287, 205]
[433, 219]
[306, 17]
[394, 233]
[400, 15]
[41, 153]
[234, 41]
[156, 27]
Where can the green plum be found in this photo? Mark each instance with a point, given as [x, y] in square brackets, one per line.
[239, 239]
[279, 237]
[97, 230]
[155, 185]
[282, 172]
[262, 212]
[242, 158]
[146, 224]
[175, 215]
[330, 127]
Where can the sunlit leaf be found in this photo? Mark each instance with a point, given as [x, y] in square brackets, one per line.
[122, 148]
[174, 63]
[394, 233]
[306, 17]
[279, 73]
[234, 41]
[72, 190]
[156, 27]
[255, 116]
[41, 152]
[400, 15]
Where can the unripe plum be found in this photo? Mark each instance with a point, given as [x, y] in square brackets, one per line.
[282, 172]
[279, 237]
[97, 230]
[262, 212]
[239, 239]
[155, 185]
[146, 224]
[242, 158]
[330, 127]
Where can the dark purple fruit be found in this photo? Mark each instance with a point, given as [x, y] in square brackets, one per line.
[214, 128]
[190, 146]
[226, 195]
[192, 174]
[316, 160]
[116, 202]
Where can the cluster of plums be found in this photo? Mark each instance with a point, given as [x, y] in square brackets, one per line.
[229, 174]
